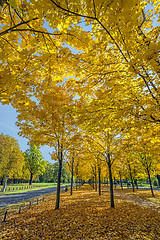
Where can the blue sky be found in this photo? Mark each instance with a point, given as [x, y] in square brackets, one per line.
[8, 118]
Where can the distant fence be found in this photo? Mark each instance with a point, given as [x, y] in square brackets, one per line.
[4, 213]
[12, 189]
[20, 208]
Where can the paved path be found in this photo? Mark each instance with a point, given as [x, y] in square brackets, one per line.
[14, 198]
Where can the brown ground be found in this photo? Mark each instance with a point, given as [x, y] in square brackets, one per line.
[85, 215]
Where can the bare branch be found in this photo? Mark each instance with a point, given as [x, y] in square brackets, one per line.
[35, 31]
[94, 9]
[74, 13]
[14, 27]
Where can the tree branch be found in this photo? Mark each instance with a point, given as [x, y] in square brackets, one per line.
[74, 13]
[17, 25]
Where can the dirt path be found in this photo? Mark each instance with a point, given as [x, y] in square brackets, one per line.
[139, 198]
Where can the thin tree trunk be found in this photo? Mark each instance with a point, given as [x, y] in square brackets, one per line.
[130, 172]
[72, 177]
[136, 183]
[120, 180]
[30, 180]
[99, 177]
[115, 182]
[2, 180]
[79, 183]
[95, 177]
[158, 177]
[76, 172]
[93, 183]
[76, 184]
[127, 182]
[111, 181]
[59, 180]
[150, 182]
[107, 182]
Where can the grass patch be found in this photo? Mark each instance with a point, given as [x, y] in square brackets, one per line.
[24, 187]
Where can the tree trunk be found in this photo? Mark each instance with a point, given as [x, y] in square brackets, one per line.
[14, 181]
[72, 177]
[99, 177]
[158, 177]
[111, 181]
[59, 180]
[2, 180]
[107, 182]
[121, 184]
[115, 184]
[76, 172]
[30, 180]
[76, 184]
[130, 172]
[80, 182]
[92, 183]
[95, 177]
[79, 185]
[120, 180]
[150, 182]
[136, 183]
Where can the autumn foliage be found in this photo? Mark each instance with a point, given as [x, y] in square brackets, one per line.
[86, 67]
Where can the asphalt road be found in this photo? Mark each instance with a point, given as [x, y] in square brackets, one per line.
[14, 198]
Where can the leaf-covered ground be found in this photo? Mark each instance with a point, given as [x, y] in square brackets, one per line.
[142, 197]
[85, 215]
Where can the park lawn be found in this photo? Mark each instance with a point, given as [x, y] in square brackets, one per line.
[22, 187]
[85, 215]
